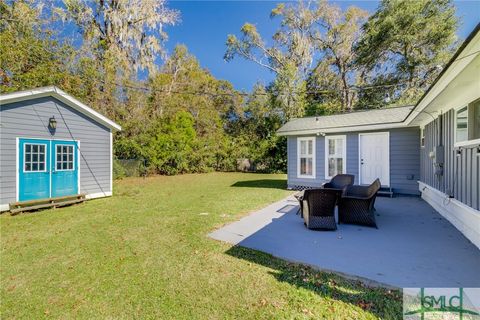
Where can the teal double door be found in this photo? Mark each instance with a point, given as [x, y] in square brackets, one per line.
[47, 168]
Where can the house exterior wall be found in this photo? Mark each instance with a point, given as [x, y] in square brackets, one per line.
[461, 171]
[404, 160]
[29, 119]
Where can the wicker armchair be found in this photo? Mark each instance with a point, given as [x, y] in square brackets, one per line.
[319, 209]
[356, 206]
[340, 181]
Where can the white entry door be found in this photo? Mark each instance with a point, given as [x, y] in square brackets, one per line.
[375, 158]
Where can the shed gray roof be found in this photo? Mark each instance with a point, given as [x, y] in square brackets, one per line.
[383, 118]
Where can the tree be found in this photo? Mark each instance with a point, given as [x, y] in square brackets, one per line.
[253, 131]
[123, 37]
[289, 57]
[335, 34]
[129, 31]
[407, 42]
[180, 88]
[317, 34]
[29, 56]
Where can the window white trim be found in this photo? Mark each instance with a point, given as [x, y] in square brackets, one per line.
[344, 153]
[50, 171]
[111, 161]
[455, 142]
[74, 158]
[17, 168]
[78, 165]
[422, 137]
[468, 142]
[31, 160]
[313, 156]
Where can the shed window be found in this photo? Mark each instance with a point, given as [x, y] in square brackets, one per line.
[64, 157]
[335, 160]
[467, 125]
[306, 157]
[34, 157]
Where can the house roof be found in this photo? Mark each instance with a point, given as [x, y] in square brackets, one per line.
[55, 92]
[354, 121]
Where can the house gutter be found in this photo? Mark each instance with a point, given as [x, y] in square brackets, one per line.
[365, 127]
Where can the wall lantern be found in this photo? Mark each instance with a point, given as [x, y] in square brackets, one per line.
[52, 123]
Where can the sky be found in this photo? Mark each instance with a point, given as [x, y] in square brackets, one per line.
[204, 27]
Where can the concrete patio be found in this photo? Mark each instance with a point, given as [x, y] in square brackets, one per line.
[414, 246]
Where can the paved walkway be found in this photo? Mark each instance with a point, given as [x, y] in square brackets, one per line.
[413, 247]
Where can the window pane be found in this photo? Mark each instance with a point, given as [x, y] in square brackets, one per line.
[310, 147]
[35, 148]
[34, 166]
[27, 167]
[27, 148]
[70, 165]
[303, 165]
[65, 149]
[41, 167]
[59, 157]
[65, 166]
[303, 147]
[331, 147]
[339, 147]
[34, 157]
[42, 157]
[28, 157]
[59, 166]
[462, 121]
[331, 167]
[339, 166]
[309, 166]
[42, 148]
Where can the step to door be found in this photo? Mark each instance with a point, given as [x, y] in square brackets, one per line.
[21, 206]
[385, 192]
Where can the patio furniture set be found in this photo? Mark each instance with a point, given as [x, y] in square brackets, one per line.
[355, 203]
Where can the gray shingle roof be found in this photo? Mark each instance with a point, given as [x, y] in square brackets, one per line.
[393, 115]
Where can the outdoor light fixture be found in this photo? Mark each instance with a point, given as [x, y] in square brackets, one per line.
[52, 123]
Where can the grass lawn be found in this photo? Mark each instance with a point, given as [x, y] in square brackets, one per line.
[144, 253]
